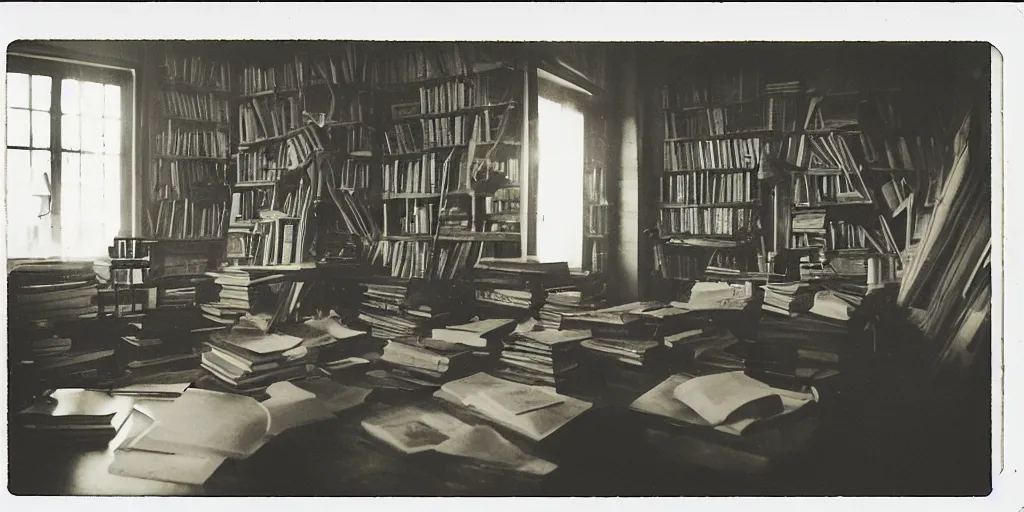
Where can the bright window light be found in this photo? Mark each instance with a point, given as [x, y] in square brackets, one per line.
[560, 184]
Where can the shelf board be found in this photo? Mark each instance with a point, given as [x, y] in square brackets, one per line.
[714, 104]
[188, 86]
[254, 184]
[502, 143]
[192, 240]
[482, 236]
[452, 113]
[192, 157]
[831, 205]
[269, 92]
[717, 169]
[407, 237]
[425, 195]
[183, 119]
[712, 238]
[503, 217]
[726, 136]
[428, 81]
[745, 204]
[294, 131]
[427, 151]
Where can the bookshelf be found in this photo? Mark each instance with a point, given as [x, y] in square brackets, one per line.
[866, 164]
[716, 123]
[191, 141]
[304, 157]
[451, 158]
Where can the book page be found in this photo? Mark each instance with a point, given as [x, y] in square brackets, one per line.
[165, 467]
[519, 399]
[715, 397]
[486, 444]
[202, 421]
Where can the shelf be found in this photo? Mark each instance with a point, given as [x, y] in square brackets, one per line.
[452, 113]
[187, 86]
[481, 236]
[425, 195]
[715, 104]
[827, 131]
[426, 82]
[717, 169]
[188, 157]
[408, 238]
[503, 217]
[596, 236]
[709, 241]
[270, 92]
[191, 240]
[294, 131]
[219, 124]
[830, 205]
[748, 204]
[427, 151]
[254, 184]
[725, 136]
[502, 143]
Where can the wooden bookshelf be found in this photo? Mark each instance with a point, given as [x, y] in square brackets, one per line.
[191, 140]
[439, 105]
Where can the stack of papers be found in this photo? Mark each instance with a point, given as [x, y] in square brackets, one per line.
[476, 334]
[249, 361]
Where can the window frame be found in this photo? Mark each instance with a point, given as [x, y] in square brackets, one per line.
[58, 70]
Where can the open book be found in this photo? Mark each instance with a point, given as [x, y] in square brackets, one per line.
[532, 411]
[728, 402]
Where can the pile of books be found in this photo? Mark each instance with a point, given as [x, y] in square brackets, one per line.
[247, 361]
[559, 304]
[55, 291]
[516, 287]
[242, 291]
[426, 362]
[395, 307]
[146, 357]
[620, 333]
[789, 299]
[541, 357]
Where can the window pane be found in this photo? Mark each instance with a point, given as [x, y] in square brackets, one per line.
[70, 138]
[112, 101]
[41, 86]
[70, 194]
[70, 96]
[17, 90]
[17, 127]
[92, 134]
[19, 175]
[92, 99]
[112, 136]
[40, 171]
[111, 197]
[91, 220]
[40, 129]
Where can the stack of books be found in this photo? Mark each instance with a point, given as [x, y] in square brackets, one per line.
[631, 352]
[516, 287]
[248, 361]
[426, 362]
[541, 357]
[560, 304]
[241, 292]
[76, 415]
[789, 299]
[145, 357]
[402, 307]
[54, 291]
[620, 333]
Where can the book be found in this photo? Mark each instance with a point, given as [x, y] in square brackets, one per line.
[475, 334]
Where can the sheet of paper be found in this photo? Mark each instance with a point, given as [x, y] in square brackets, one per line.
[716, 396]
[335, 396]
[290, 406]
[165, 467]
[202, 421]
[521, 399]
[269, 343]
[485, 443]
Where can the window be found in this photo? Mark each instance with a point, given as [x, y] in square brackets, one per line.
[560, 134]
[68, 166]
